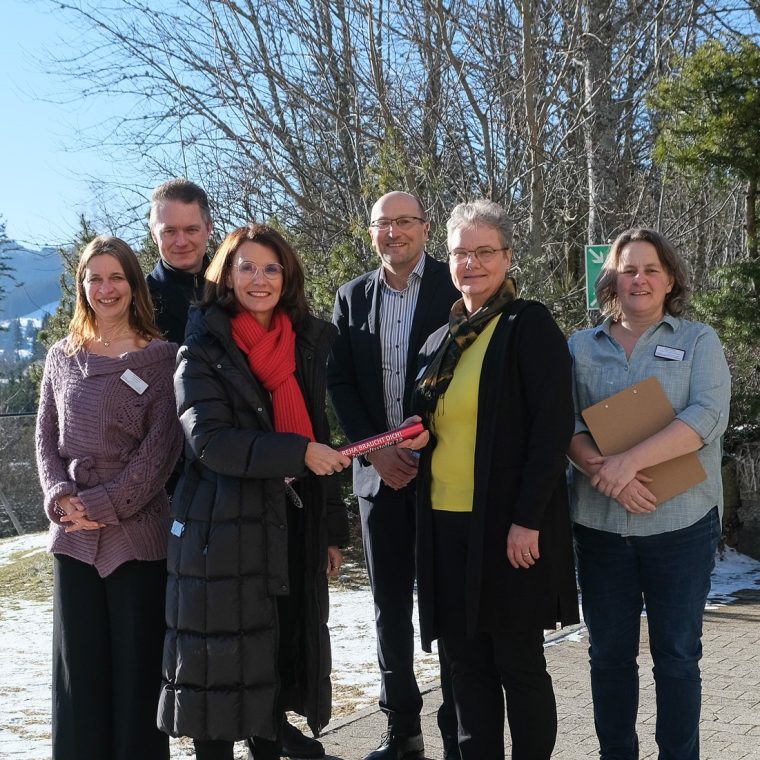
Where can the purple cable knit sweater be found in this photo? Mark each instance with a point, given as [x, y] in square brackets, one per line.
[114, 448]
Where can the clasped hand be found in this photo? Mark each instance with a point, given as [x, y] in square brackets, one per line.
[73, 513]
[397, 465]
[616, 476]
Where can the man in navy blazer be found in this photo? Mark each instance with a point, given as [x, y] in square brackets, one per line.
[383, 318]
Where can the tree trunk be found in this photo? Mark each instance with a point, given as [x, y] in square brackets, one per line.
[535, 153]
[600, 119]
[751, 219]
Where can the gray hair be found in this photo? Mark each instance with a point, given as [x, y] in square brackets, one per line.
[482, 212]
[182, 190]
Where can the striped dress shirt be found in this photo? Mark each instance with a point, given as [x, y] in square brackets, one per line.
[396, 316]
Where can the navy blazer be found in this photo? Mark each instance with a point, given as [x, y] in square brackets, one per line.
[354, 370]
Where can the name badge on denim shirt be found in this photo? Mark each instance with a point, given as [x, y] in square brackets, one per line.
[673, 354]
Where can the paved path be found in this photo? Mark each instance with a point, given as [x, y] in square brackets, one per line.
[730, 728]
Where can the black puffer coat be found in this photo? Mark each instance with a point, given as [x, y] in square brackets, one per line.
[229, 562]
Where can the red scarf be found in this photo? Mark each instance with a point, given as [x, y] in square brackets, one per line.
[272, 359]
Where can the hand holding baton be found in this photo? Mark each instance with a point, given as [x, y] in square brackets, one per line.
[383, 440]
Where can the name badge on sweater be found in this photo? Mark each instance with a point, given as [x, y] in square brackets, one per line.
[136, 383]
[666, 352]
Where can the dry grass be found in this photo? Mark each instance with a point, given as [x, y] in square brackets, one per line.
[27, 575]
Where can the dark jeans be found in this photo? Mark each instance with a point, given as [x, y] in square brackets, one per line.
[107, 643]
[388, 534]
[670, 574]
[490, 666]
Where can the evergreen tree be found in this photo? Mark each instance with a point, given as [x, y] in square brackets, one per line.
[709, 114]
[57, 326]
[6, 271]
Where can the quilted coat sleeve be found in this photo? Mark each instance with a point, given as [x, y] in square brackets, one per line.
[217, 436]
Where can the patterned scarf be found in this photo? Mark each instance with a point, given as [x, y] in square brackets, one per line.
[272, 358]
[463, 331]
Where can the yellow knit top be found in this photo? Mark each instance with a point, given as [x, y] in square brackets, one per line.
[455, 424]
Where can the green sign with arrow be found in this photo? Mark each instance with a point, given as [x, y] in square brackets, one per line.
[595, 256]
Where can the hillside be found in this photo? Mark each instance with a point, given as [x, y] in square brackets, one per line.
[37, 274]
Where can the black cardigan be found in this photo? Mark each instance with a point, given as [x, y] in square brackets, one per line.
[525, 422]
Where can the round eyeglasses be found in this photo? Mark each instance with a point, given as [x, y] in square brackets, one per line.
[249, 269]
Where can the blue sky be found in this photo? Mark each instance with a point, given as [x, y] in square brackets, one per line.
[45, 181]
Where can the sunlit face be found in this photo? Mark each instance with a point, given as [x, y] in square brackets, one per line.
[399, 250]
[181, 234]
[106, 288]
[477, 280]
[642, 282]
[256, 293]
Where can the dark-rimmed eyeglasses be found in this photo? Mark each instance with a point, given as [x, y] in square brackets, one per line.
[249, 269]
[483, 254]
[401, 222]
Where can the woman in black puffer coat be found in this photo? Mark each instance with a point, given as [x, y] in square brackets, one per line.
[251, 549]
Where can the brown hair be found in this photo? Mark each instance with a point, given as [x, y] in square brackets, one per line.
[83, 325]
[182, 190]
[293, 297]
[674, 265]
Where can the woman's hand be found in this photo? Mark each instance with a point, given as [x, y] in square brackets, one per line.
[522, 546]
[636, 498]
[334, 561]
[322, 460]
[73, 513]
[615, 473]
[419, 441]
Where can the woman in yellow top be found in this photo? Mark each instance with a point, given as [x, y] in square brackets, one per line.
[494, 550]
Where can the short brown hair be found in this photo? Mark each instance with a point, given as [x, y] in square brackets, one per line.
[182, 190]
[218, 291]
[83, 325]
[674, 265]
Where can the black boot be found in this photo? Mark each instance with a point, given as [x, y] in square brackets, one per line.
[263, 749]
[394, 746]
[297, 744]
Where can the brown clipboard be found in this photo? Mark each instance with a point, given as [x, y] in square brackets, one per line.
[627, 418]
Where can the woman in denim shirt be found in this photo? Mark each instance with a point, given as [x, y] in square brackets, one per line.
[631, 550]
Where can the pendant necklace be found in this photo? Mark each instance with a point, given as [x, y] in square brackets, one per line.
[106, 341]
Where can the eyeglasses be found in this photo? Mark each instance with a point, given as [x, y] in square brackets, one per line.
[401, 222]
[249, 269]
[484, 254]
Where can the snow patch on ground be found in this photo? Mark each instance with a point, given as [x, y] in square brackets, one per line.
[26, 631]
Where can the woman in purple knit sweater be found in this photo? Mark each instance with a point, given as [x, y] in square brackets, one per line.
[107, 439]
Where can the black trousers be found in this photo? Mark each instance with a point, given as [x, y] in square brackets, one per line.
[259, 749]
[490, 666]
[388, 534]
[108, 636]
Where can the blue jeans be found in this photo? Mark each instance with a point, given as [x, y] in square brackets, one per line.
[670, 573]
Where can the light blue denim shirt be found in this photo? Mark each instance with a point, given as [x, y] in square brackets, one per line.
[699, 388]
